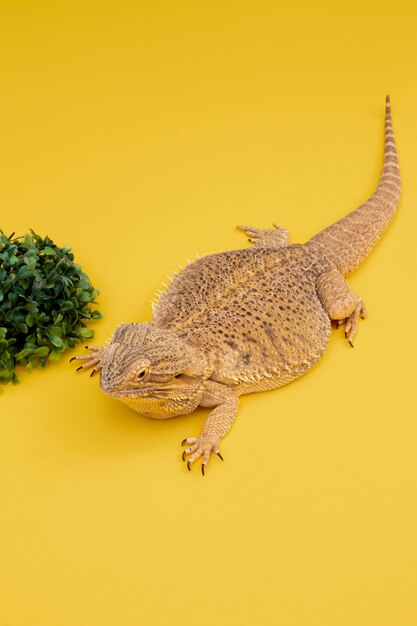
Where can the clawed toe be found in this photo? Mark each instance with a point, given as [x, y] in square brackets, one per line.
[271, 238]
[352, 321]
[200, 447]
[91, 360]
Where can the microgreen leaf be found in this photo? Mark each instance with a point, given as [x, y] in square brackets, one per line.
[86, 332]
[42, 351]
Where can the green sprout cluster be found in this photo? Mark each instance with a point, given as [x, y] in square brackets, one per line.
[45, 299]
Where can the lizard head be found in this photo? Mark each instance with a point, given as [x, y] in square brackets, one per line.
[153, 371]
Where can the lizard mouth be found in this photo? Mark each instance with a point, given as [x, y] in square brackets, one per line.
[144, 393]
[188, 386]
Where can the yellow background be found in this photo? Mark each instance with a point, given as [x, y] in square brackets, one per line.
[142, 133]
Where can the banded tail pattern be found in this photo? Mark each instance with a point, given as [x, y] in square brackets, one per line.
[351, 239]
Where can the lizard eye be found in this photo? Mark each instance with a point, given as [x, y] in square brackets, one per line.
[141, 375]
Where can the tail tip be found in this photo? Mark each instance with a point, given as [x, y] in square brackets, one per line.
[388, 102]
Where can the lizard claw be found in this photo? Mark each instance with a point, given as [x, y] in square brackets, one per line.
[352, 321]
[91, 360]
[203, 446]
[273, 238]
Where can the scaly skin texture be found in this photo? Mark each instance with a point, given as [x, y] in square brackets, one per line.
[246, 320]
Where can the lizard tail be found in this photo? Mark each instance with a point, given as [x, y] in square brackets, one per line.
[349, 241]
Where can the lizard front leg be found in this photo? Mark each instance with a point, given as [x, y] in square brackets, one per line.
[340, 302]
[94, 360]
[215, 426]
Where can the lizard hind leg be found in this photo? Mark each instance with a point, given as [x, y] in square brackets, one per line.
[340, 303]
[264, 238]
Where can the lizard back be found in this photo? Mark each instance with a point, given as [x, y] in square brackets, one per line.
[254, 312]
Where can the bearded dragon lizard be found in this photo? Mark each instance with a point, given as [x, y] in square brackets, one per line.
[245, 320]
